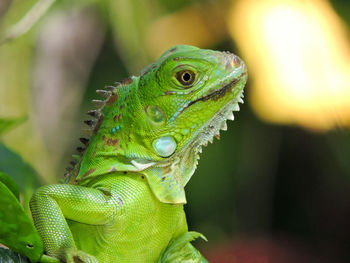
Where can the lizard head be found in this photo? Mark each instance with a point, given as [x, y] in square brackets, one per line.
[187, 96]
[156, 124]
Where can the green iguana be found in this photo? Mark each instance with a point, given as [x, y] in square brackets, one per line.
[123, 199]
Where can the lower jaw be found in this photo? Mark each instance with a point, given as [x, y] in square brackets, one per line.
[218, 122]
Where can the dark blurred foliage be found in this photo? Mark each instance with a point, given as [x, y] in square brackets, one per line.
[281, 185]
[264, 193]
[343, 9]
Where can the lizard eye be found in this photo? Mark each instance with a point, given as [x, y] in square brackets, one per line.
[186, 77]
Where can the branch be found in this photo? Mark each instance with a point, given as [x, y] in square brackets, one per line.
[28, 21]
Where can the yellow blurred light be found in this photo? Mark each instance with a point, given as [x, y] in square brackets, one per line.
[198, 25]
[299, 59]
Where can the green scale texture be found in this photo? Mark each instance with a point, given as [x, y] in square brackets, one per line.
[123, 199]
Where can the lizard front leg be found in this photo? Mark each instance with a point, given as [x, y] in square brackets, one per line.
[51, 205]
[181, 250]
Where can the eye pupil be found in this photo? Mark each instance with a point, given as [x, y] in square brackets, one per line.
[186, 77]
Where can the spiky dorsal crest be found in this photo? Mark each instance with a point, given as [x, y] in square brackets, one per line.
[109, 95]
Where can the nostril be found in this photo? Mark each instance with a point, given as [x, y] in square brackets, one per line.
[232, 62]
[236, 61]
[229, 61]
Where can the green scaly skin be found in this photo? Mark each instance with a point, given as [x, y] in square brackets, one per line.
[123, 200]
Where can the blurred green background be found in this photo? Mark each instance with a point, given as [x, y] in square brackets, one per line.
[276, 187]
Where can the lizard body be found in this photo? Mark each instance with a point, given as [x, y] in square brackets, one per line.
[123, 199]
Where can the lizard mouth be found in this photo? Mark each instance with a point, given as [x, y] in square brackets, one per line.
[219, 93]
